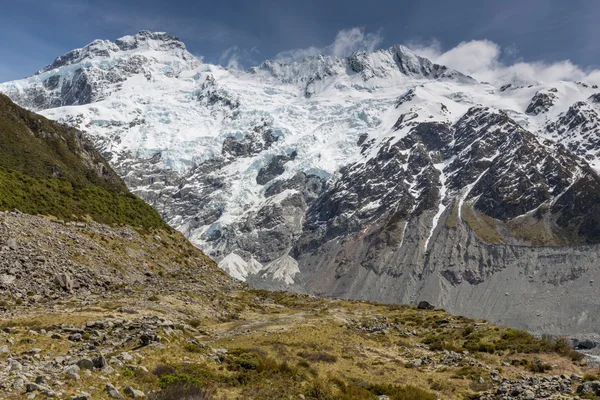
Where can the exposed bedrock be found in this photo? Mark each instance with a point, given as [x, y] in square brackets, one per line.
[550, 290]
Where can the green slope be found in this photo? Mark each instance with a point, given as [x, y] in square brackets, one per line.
[50, 169]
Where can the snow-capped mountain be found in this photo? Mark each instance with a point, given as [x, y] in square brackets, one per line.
[381, 175]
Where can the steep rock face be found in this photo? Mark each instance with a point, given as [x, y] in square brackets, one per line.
[380, 175]
[484, 160]
[579, 129]
[542, 102]
[542, 289]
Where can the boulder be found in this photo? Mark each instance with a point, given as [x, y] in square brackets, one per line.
[425, 305]
[131, 392]
[85, 363]
[113, 392]
[592, 387]
[65, 281]
[99, 362]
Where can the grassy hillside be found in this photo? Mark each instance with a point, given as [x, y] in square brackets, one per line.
[274, 346]
[47, 168]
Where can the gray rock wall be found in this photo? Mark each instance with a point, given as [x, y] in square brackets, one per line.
[545, 290]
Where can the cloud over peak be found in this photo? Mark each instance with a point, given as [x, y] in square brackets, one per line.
[346, 42]
[485, 60]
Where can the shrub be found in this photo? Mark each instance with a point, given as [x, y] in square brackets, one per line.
[322, 357]
[182, 391]
[401, 392]
[561, 346]
[193, 348]
[469, 372]
[161, 370]
[319, 390]
[467, 330]
[194, 323]
[481, 347]
[539, 367]
[69, 201]
[241, 360]
[180, 378]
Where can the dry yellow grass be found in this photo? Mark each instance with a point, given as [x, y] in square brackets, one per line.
[322, 342]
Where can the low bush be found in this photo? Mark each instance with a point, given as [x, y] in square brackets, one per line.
[395, 392]
[318, 356]
[161, 370]
[539, 368]
[179, 378]
[184, 391]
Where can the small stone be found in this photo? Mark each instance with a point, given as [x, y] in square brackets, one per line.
[107, 370]
[72, 369]
[65, 281]
[592, 387]
[529, 395]
[113, 392]
[15, 366]
[4, 349]
[12, 244]
[99, 362]
[85, 363]
[146, 339]
[18, 383]
[116, 362]
[34, 387]
[131, 392]
[72, 372]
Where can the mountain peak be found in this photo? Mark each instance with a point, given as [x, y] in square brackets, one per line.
[105, 49]
[160, 41]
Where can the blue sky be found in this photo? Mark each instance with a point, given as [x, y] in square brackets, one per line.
[243, 33]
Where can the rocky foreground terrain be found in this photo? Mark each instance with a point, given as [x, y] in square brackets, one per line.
[90, 311]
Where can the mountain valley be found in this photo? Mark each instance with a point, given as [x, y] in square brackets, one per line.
[380, 176]
[102, 299]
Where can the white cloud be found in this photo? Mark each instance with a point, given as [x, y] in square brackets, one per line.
[346, 42]
[236, 58]
[351, 40]
[472, 57]
[483, 60]
[298, 54]
[430, 50]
